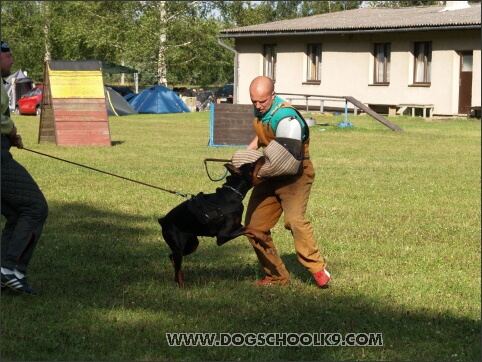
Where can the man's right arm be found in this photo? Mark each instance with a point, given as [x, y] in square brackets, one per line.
[6, 121]
[253, 145]
[7, 125]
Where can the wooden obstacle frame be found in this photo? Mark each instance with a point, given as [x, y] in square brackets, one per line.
[231, 125]
[73, 110]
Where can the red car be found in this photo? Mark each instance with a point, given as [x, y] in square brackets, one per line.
[30, 102]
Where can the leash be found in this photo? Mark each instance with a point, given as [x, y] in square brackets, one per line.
[215, 160]
[108, 173]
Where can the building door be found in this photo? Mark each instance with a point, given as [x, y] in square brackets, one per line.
[465, 81]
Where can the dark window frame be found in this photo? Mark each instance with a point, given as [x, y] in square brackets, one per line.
[422, 63]
[269, 60]
[313, 59]
[382, 59]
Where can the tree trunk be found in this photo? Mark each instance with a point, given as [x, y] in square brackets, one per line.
[122, 81]
[47, 17]
[161, 62]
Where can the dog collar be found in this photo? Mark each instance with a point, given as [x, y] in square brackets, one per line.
[232, 188]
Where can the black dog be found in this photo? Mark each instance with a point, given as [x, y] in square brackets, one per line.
[217, 215]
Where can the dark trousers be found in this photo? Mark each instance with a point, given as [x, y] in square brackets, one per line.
[25, 210]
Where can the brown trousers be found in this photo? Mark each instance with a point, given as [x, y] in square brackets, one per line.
[267, 202]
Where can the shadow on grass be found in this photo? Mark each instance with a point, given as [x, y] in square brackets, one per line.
[108, 294]
[116, 143]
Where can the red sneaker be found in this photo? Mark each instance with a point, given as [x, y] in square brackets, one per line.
[322, 277]
[264, 281]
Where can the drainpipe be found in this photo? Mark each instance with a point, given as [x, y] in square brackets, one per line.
[235, 87]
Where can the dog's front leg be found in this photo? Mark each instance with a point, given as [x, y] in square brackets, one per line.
[230, 229]
[176, 261]
[223, 239]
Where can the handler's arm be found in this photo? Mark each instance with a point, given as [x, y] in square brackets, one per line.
[7, 126]
[289, 133]
[6, 122]
[253, 145]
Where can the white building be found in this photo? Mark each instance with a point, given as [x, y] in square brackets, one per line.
[427, 55]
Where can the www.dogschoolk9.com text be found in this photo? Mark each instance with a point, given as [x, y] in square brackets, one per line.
[274, 339]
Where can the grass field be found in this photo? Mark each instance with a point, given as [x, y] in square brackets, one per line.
[396, 215]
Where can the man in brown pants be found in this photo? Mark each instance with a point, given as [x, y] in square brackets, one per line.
[284, 136]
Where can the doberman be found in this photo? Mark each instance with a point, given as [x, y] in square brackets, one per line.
[217, 215]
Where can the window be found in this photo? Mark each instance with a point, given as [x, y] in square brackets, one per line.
[422, 62]
[382, 63]
[467, 62]
[313, 69]
[269, 65]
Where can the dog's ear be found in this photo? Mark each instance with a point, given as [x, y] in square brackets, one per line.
[257, 180]
[232, 169]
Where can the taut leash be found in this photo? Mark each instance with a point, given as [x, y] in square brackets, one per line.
[108, 173]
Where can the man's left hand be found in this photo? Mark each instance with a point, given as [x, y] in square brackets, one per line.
[17, 141]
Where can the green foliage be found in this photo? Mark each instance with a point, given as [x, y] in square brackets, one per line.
[121, 32]
[396, 215]
[400, 4]
[21, 24]
[321, 7]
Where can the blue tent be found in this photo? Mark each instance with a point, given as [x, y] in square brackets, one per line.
[128, 97]
[158, 99]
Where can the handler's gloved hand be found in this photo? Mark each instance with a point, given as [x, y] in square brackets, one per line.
[15, 138]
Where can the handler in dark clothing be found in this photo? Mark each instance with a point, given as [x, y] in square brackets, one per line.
[23, 204]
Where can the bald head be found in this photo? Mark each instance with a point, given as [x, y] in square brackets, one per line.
[262, 84]
[262, 93]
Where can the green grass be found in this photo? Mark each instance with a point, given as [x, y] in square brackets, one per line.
[396, 215]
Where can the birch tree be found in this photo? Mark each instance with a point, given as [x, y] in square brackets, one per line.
[161, 63]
